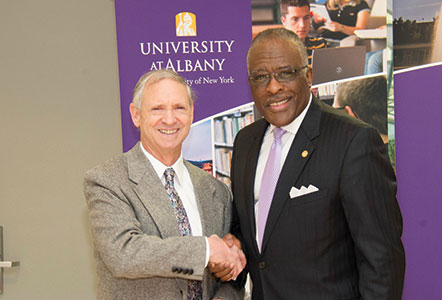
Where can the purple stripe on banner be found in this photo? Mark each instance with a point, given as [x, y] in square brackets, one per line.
[212, 59]
[418, 113]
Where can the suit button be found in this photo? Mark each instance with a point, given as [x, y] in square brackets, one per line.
[262, 265]
[179, 270]
[174, 269]
[190, 271]
[185, 271]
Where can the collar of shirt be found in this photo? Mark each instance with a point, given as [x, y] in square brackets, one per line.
[159, 167]
[351, 3]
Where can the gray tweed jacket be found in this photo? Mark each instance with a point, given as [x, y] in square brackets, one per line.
[139, 251]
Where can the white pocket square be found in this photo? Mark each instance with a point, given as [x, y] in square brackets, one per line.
[294, 192]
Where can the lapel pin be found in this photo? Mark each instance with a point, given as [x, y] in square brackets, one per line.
[304, 153]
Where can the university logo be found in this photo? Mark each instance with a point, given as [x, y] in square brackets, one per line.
[185, 24]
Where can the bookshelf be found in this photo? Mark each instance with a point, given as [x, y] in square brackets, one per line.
[326, 92]
[225, 128]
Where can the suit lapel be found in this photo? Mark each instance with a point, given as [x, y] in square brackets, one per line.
[151, 192]
[293, 166]
[250, 174]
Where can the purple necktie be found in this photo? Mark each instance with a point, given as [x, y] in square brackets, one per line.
[194, 287]
[269, 180]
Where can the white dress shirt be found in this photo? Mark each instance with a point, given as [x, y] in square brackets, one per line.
[286, 141]
[184, 187]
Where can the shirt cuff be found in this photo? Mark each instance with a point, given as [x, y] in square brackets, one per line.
[207, 252]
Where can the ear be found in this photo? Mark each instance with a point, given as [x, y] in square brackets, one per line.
[135, 114]
[350, 112]
[283, 20]
[309, 76]
[191, 111]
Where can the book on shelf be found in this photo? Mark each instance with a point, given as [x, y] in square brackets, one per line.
[225, 180]
[227, 126]
[225, 129]
[223, 157]
[327, 90]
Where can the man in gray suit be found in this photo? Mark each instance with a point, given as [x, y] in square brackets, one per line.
[156, 219]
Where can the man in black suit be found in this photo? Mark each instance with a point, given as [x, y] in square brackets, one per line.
[333, 229]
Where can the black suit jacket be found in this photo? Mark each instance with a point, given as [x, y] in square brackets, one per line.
[341, 242]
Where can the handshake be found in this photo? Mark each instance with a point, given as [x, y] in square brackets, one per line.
[226, 259]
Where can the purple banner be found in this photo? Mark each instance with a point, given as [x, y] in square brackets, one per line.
[205, 41]
[418, 110]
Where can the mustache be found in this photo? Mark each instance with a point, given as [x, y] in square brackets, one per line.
[278, 98]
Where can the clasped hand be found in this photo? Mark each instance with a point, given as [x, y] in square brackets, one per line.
[226, 259]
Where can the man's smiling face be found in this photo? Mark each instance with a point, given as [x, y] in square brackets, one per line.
[164, 119]
[279, 102]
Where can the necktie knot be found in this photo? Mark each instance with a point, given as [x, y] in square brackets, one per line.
[278, 132]
[169, 174]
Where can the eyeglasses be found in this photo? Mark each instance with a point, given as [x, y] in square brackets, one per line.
[283, 76]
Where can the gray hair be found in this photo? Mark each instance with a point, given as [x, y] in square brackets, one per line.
[279, 34]
[155, 76]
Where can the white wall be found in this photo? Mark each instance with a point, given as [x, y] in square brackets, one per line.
[59, 116]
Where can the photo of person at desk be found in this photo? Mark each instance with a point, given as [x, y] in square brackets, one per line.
[346, 17]
[354, 23]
